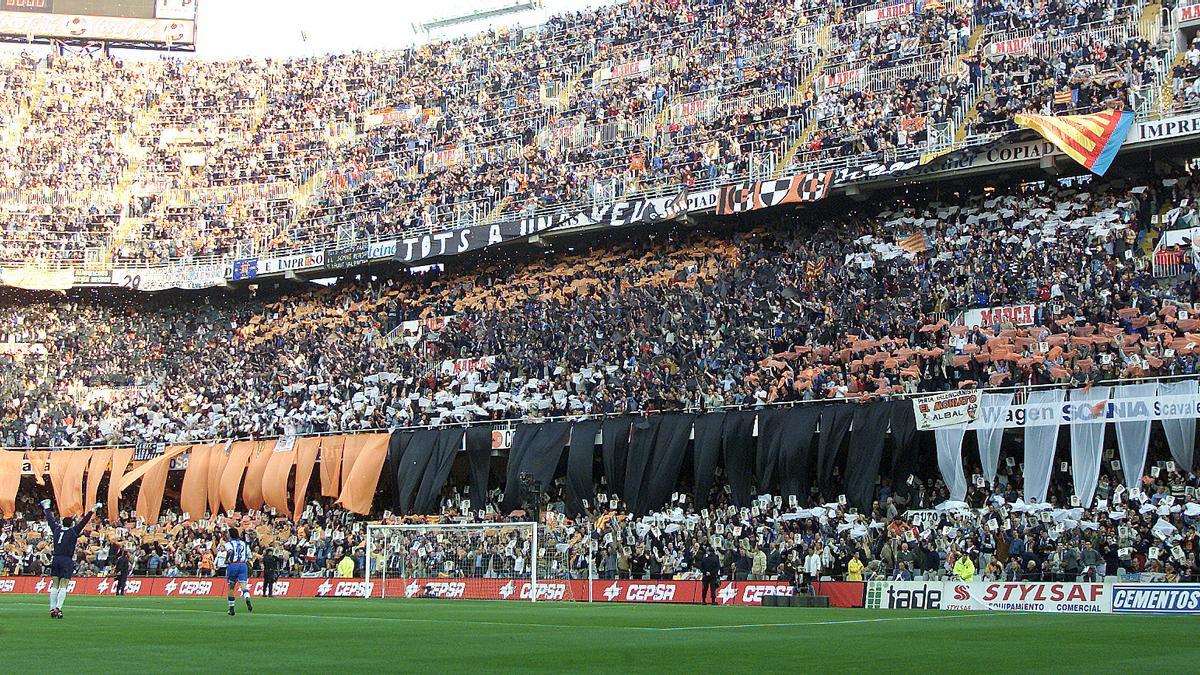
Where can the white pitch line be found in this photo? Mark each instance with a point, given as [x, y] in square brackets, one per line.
[338, 617]
[829, 623]
[334, 617]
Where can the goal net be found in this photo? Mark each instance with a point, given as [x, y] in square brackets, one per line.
[482, 561]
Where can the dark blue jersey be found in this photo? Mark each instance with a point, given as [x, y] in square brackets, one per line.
[65, 539]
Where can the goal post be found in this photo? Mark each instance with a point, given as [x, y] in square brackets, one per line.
[484, 561]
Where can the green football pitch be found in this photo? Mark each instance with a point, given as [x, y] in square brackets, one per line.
[109, 634]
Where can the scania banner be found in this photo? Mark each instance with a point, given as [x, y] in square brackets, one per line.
[946, 409]
[1142, 409]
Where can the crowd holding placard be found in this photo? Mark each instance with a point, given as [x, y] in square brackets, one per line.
[676, 319]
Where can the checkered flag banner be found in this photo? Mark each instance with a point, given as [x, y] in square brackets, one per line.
[802, 187]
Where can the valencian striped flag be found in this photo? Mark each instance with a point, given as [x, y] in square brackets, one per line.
[1092, 140]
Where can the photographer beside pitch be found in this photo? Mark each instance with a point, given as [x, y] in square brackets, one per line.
[62, 565]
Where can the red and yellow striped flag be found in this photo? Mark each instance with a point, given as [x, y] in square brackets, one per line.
[1092, 140]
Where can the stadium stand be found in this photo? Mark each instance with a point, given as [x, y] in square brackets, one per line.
[626, 99]
[1023, 286]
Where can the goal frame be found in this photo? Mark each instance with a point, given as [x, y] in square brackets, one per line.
[425, 527]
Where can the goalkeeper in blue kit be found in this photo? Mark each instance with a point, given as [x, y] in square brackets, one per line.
[62, 565]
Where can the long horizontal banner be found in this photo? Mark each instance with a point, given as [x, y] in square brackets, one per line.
[167, 31]
[1052, 597]
[1109, 410]
[666, 591]
[995, 596]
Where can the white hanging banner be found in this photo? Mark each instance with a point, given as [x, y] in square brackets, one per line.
[1040, 443]
[1087, 446]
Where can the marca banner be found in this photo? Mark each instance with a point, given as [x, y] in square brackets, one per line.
[946, 409]
[885, 13]
[1004, 596]
[1156, 599]
[1142, 409]
[696, 107]
[456, 366]
[1018, 315]
[845, 76]
[622, 70]
[1092, 140]
[803, 187]
[393, 116]
[1189, 14]
[1019, 45]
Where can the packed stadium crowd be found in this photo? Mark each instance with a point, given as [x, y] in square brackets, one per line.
[912, 531]
[859, 305]
[173, 160]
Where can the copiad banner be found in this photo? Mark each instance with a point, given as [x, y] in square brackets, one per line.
[946, 409]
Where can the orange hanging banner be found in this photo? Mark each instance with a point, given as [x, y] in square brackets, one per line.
[154, 483]
[11, 464]
[97, 467]
[120, 462]
[350, 451]
[216, 468]
[252, 491]
[331, 465]
[358, 491]
[275, 480]
[194, 492]
[306, 457]
[231, 477]
[37, 464]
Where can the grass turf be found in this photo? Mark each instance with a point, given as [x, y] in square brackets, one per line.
[110, 634]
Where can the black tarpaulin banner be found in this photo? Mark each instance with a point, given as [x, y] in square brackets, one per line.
[737, 446]
[545, 451]
[904, 445]
[771, 430]
[796, 456]
[866, 449]
[449, 442]
[674, 432]
[479, 454]
[397, 444]
[522, 438]
[707, 447]
[835, 422]
[614, 448]
[641, 446]
[581, 457]
[412, 466]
